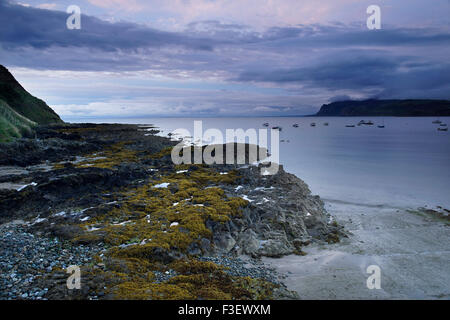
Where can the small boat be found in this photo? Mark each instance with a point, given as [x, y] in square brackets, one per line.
[442, 129]
[350, 126]
[381, 125]
[443, 125]
[367, 123]
[266, 124]
[325, 124]
[437, 121]
[295, 125]
[313, 124]
[277, 128]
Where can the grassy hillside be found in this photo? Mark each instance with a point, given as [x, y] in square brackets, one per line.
[24, 103]
[19, 110]
[12, 124]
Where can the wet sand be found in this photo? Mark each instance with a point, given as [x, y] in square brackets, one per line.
[412, 250]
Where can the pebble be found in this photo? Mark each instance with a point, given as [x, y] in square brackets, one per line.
[24, 257]
[238, 267]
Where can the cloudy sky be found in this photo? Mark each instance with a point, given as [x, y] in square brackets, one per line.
[145, 58]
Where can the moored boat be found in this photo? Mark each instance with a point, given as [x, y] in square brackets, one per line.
[437, 121]
[367, 123]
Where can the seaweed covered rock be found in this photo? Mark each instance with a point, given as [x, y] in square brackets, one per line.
[281, 217]
[115, 187]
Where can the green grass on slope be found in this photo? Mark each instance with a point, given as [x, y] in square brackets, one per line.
[12, 124]
[24, 103]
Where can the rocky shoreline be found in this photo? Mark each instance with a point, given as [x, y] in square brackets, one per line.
[109, 199]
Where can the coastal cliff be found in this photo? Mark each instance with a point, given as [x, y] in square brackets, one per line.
[392, 108]
[20, 112]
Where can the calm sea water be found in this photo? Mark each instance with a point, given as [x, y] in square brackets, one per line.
[406, 164]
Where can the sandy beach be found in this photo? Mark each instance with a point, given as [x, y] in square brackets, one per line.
[411, 249]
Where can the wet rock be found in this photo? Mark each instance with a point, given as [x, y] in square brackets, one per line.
[224, 241]
[205, 245]
[66, 232]
[194, 249]
[282, 216]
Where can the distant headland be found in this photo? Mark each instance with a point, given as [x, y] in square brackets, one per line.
[394, 108]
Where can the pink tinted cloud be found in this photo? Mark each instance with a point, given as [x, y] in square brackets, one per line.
[128, 5]
[262, 14]
[256, 13]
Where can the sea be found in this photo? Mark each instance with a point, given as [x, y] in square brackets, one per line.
[406, 164]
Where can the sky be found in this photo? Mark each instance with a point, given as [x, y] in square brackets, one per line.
[220, 58]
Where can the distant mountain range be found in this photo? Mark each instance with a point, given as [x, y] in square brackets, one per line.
[19, 110]
[395, 108]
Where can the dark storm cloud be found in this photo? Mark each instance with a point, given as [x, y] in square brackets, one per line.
[387, 75]
[341, 97]
[23, 26]
[40, 29]
[346, 71]
[392, 62]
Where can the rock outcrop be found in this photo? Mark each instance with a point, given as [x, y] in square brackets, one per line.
[281, 218]
[151, 225]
